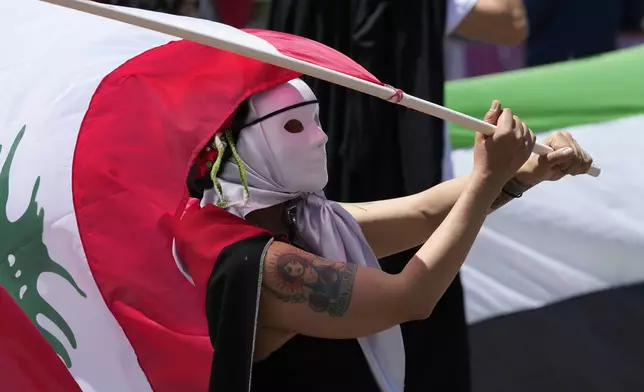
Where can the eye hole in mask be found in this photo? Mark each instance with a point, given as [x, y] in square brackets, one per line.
[293, 126]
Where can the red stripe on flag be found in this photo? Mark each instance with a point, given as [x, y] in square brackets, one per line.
[314, 52]
[27, 361]
[144, 125]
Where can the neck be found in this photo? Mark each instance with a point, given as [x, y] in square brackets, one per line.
[272, 219]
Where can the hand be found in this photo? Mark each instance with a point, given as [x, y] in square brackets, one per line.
[498, 157]
[567, 158]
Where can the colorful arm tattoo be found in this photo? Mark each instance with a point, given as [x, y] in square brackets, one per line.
[298, 277]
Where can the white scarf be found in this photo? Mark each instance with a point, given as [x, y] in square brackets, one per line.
[332, 233]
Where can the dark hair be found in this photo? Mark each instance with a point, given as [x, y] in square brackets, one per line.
[196, 186]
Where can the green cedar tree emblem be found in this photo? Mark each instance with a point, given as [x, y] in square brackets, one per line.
[24, 256]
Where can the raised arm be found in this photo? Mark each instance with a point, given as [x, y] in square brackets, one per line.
[304, 294]
[395, 225]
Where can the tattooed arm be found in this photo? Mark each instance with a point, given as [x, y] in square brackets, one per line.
[305, 294]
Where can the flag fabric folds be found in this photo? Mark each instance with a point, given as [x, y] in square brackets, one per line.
[99, 123]
[555, 281]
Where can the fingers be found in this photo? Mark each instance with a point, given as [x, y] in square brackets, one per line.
[480, 137]
[588, 162]
[505, 124]
[557, 140]
[508, 148]
[581, 161]
[492, 115]
[584, 160]
[575, 162]
[522, 132]
[568, 156]
[519, 130]
[559, 156]
[509, 124]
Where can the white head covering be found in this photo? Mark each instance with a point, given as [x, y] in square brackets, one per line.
[285, 159]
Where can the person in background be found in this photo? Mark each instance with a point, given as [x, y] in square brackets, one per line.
[380, 151]
[561, 30]
[500, 22]
[283, 319]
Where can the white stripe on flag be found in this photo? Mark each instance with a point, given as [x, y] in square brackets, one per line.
[563, 239]
[49, 69]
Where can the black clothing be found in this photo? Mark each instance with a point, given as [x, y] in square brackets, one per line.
[378, 150]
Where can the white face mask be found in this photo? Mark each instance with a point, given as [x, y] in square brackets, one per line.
[288, 148]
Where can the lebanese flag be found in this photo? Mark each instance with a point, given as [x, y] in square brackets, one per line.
[100, 121]
[27, 362]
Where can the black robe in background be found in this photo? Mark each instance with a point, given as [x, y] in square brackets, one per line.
[378, 150]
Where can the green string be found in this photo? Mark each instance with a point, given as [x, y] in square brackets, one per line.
[240, 163]
[221, 148]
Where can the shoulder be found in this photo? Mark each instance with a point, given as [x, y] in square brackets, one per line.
[211, 219]
[207, 236]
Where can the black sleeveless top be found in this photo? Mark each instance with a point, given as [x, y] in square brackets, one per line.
[301, 364]
[313, 364]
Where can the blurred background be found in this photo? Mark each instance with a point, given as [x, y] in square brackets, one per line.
[573, 29]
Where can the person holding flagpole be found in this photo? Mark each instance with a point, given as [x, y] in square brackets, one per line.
[414, 46]
[293, 279]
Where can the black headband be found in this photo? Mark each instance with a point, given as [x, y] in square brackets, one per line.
[275, 113]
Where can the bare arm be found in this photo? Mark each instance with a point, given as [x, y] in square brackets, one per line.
[395, 225]
[340, 300]
[502, 22]
[303, 294]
